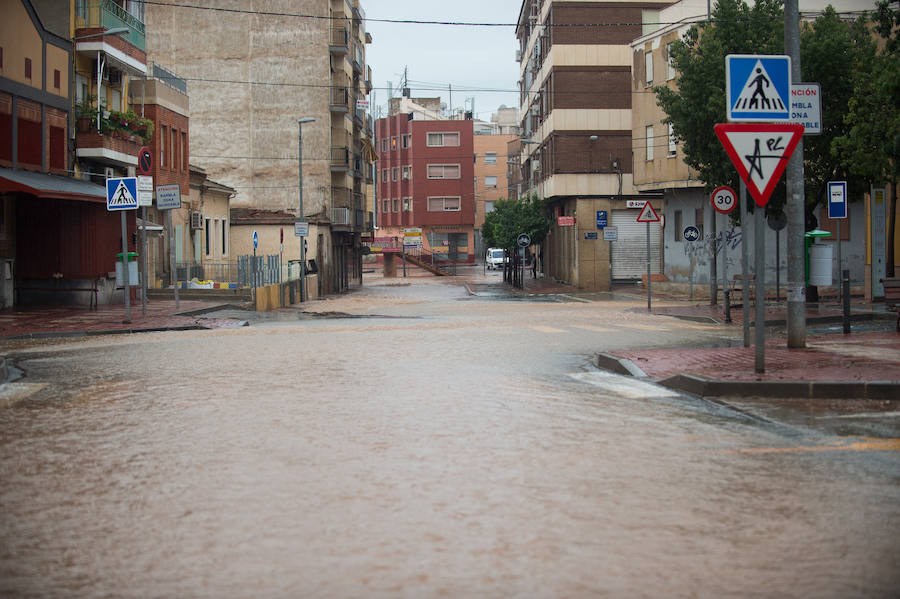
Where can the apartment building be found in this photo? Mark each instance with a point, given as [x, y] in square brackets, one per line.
[575, 64]
[252, 77]
[491, 178]
[426, 180]
[65, 78]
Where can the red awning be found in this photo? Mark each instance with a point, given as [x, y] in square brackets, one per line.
[42, 185]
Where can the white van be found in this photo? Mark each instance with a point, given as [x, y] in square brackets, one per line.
[495, 258]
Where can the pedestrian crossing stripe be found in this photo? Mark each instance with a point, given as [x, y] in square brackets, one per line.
[758, 87]
[121, 193]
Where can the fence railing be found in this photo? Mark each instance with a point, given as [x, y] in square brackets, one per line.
[259, 271]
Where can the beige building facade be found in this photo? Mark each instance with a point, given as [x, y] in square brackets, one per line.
[491, 183]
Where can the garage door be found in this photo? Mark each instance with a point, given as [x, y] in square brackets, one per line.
[629, 252]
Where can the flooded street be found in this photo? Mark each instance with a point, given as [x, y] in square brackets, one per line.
[437, 444]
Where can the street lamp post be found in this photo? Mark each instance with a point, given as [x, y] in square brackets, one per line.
[300, 211]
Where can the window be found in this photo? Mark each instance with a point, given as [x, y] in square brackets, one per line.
[223, 237]
[649, 135]
[490, 157]
[175, 157]
[678, 228]
[442, 204]
[407, 205]
[384, 145]
[384, 175]
[28, 68]
[405, 141]
[162, 146]
[394, 143]
[648, 68]
[185, 159]
[394, 172]
[116, 103]
[672, 145]
[396, 205]
[488, 207]
[57, 77]
[443, 171]
[670, 64]
[407, 172]
[208, 236]
[385, 205]
[443, 139]
[1, 57]
[490, 182]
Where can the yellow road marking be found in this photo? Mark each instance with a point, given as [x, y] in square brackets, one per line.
[588, 327]
[858, 444]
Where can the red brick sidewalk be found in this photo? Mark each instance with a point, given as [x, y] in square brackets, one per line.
[53, 321]
[863, 356]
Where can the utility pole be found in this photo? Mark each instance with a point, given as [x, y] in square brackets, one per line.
[300, 208]
[796, 204]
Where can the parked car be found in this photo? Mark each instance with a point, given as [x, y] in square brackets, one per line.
[495, 258]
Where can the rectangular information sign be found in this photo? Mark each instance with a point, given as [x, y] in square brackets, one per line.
[168, 197]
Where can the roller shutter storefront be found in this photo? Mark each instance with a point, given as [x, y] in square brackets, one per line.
[629, 253]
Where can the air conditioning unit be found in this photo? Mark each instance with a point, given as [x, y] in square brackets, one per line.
[109, 172]
[196, 220]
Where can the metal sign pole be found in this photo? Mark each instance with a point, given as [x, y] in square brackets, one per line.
[125, 270]
[144, 261]
[726, 295]
[759, 247]
[840, 264]
[648, 266]
[745, 266]
[172, 267]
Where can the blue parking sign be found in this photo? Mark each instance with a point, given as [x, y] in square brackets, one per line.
[601, 219]
[758, 87]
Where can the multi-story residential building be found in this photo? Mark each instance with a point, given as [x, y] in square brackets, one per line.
[253, 76]
[66, 68]
[426, 180]
[490, 178]
[575, 65]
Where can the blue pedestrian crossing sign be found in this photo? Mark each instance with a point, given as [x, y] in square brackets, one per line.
[121, 193]
[758, 87]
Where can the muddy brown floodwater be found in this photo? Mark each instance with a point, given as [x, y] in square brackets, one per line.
[448, 447]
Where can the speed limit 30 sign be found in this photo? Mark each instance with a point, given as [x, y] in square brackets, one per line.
[723, 199]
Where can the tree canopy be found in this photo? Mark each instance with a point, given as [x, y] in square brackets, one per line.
[511, 218]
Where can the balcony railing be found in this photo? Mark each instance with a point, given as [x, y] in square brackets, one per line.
[109, 14]
[340, 39]
[340, 158]
[341, 216]
[340, 98]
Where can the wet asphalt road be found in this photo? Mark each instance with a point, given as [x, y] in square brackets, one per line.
[412, 439]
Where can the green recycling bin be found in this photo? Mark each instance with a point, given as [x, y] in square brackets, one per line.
[132, 270]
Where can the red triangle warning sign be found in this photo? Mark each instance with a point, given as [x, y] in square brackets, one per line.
[760, 152]
[648, 214]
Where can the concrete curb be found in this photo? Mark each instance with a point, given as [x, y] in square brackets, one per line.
[706, 387]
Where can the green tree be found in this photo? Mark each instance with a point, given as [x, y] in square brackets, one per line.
[698, 101]
[870, 145]
[511, 218]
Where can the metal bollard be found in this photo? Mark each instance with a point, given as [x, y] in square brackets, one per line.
[727, 295]
[845, 284]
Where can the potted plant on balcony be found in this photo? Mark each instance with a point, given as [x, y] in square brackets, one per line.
[85, 112]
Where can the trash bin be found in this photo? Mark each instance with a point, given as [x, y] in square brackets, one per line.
[132, 270]
[810, 238]
[820, 264]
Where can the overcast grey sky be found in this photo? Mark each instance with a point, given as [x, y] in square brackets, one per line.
[466, 58]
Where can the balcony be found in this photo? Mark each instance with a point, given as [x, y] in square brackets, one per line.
[357, 59]
[112, 149]
[340, 159]
[340, 40]
[340, 99]
[107, 14]
[368, 80]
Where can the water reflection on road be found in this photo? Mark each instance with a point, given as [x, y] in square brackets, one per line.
[466, 449]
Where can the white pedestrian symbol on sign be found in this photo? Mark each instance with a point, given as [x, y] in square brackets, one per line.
[122, 197]
[758, 93]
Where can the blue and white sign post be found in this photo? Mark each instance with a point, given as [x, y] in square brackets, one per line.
[837, 209]
[121, 195]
